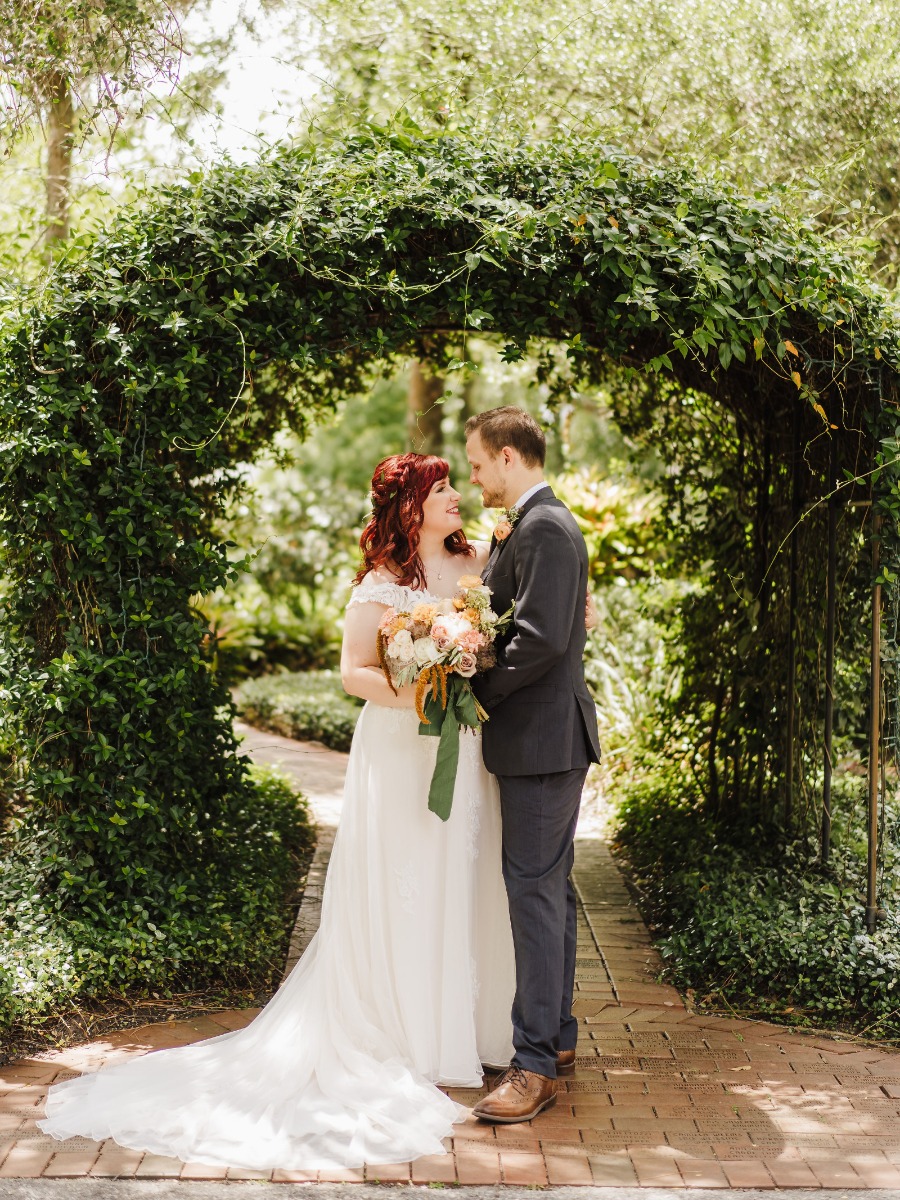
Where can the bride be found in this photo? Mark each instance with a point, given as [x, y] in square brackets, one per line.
[409, 981]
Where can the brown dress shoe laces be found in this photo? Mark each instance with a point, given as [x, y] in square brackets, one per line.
[516, 1076]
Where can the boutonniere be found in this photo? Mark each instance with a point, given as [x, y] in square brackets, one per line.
[506, 524]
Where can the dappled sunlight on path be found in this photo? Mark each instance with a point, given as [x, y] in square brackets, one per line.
[660, 1096]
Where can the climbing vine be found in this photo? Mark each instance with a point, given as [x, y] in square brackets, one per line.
[168, 351]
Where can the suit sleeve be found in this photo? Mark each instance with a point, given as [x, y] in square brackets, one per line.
[548, 572]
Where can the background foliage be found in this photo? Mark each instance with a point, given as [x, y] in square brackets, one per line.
[304, 704]
[221, 913]
[753, 922]
[787, 91]
[175, 348]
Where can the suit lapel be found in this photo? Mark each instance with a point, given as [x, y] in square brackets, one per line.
[540, 497]
[492, 558]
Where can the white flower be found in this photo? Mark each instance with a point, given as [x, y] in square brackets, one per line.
[446, 607]
[489, 617]
[426, 652]
[400, 648]
[405, 655]
[453, 626]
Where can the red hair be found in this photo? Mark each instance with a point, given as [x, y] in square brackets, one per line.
[400, 486]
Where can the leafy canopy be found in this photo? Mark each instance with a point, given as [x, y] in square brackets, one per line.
[170, 350]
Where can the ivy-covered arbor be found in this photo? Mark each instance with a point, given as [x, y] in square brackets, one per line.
[167, 352]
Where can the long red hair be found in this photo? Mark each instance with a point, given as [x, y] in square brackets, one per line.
[400, 486]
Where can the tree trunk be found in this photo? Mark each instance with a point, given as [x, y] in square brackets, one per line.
[715, 796]
[60, 124]
[423, 410]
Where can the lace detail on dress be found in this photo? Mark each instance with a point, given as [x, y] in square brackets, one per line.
[397, 720]
[473, 821]
[407, 884]
[396, 595]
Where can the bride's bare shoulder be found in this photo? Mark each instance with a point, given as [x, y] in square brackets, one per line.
[381, 575]
[482, 554]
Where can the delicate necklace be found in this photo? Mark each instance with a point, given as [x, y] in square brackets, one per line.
[444, 558]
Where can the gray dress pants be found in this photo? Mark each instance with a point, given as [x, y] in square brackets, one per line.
[540, 813]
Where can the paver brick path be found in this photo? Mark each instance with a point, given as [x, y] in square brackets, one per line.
[661, 1097]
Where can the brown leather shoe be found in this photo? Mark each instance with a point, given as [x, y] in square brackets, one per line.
[518, 1096]
[494, 1068]
[565, 1063]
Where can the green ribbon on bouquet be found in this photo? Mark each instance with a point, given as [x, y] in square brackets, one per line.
[462, 709]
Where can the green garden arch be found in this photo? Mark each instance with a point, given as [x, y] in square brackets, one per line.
[168, 351]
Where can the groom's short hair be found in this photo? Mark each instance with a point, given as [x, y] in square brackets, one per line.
[513, 427]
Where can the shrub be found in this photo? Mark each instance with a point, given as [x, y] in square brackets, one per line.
[750, 919]
[257, 632]
[310, 704]
[286, 609]
[225, 921]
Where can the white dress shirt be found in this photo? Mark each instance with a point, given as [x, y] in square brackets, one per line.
[532, 491]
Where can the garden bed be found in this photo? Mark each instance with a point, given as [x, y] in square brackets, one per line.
[307, 705]
[750, 923]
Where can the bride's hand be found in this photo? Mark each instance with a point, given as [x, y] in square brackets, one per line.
[590, 613]
[360, 673]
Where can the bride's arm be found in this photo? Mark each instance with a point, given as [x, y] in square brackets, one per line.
[361, 674]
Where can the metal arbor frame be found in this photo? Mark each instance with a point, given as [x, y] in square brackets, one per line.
[839, 495]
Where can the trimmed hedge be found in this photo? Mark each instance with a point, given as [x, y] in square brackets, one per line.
[225, 922]
[309, 705]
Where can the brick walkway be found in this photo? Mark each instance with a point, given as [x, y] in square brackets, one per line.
[660, 1097]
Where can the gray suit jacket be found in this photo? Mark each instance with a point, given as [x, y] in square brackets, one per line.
[542, 716]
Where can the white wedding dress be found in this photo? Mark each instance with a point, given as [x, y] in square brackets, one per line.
[408, 982]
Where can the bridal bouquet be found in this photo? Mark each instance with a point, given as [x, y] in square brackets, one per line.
[439, 646]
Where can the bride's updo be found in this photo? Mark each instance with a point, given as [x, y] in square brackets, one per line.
[400, 486]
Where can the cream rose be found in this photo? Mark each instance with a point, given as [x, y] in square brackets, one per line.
[401, 648]
[466, 665]
[426, 652]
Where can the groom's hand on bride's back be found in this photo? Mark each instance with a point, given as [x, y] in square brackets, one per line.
[590, 613]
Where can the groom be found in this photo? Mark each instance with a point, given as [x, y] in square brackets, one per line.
[539, 741]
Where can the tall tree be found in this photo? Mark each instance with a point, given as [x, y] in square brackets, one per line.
[77, 69]
[783, 91]
[424, 409]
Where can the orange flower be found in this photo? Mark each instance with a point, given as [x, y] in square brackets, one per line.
[469, 581]
[424, 614]
[471, 614]
[502, 530]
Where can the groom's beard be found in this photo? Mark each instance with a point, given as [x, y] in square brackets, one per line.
[493, 499]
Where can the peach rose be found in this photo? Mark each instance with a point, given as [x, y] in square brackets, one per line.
[388, 619]
[471, 642]
[469, 581]
[502, 530]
